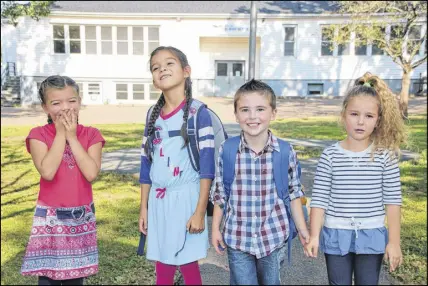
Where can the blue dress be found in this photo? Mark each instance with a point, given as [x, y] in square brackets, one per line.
[174, 193]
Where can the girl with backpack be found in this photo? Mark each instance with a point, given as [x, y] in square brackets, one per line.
[174, 195]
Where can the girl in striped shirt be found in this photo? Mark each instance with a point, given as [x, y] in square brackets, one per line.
[357, 182]
[173, 195]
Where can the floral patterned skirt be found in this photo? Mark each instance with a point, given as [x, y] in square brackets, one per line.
[63, 243]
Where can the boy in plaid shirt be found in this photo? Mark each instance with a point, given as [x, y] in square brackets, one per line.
[256, 223]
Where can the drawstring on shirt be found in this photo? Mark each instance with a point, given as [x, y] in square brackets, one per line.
[356, 226]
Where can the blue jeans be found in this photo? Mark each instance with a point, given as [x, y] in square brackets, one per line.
[246, 269]
[365, 267]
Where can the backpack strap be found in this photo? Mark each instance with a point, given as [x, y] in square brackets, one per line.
[192, 133]
[280, 170]
[280, 175]
[230, 149]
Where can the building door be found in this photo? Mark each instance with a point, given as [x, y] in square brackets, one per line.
[229, 76]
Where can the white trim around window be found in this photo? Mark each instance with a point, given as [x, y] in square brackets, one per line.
[104, 39]
[290, 40]
[135, 92]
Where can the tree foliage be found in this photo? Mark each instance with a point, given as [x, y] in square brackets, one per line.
[12, 10]
[393, 27]
[370, 21]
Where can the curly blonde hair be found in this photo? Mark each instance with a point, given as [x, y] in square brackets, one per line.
[390, 130]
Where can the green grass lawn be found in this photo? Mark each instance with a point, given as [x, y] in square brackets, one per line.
[117, 201]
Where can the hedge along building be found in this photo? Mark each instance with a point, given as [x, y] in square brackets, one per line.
[105, 46]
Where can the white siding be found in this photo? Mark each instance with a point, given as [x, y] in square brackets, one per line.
[203, 41]
[309, 64]
[9, 36]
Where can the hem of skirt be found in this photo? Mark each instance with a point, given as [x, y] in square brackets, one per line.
[182, 263]
[60, 274]
[346, 252]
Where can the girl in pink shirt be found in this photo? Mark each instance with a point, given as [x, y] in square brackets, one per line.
[63, 244]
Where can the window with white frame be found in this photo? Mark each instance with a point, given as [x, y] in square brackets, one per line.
[315, 88]
[91, 40]
[414, 39]
[74, 32]
[289, 40]
[396, 34]
[106, 41]
[121, 91]
[122, 40]
[153, 38]
[59, 39]
[376, 50]
[360, 45]
[154, 92]
[138, 91]
[345, 48]
[376, 45]
[94, 90]
[327, 45]
[137, 40]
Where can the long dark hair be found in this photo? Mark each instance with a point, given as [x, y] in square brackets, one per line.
[161, 101]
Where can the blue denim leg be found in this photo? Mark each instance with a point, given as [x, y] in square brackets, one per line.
[268, 269]
[367, 269]
[242, 267]
[340, 268]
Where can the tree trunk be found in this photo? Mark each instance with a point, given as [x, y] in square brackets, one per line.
[404, 94]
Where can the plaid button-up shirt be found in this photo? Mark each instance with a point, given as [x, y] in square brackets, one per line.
[256, 221]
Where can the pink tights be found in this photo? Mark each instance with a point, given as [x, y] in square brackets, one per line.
[165, 273]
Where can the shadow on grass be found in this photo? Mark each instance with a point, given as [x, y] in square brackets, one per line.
[22, 199]
[17, 213]
[26, 160]
[14, 181]
[24, 188]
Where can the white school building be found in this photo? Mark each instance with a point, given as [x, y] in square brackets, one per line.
[105, 46]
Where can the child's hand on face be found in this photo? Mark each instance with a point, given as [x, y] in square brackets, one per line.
[196, 223]
[217, 241]
[59, 126]
[70, 123]
[393, 255]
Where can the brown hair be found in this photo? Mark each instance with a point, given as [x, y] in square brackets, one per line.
[255, 86]
[390, 131]
[56, 82]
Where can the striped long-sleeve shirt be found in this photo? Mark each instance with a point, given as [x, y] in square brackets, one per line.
[350, 184]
